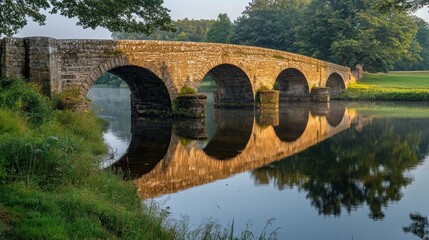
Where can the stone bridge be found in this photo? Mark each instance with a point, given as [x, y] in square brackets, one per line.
[163, 162]
[156, 71]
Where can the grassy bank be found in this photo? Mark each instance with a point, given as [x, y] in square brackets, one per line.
[394, 86]
[51, 186]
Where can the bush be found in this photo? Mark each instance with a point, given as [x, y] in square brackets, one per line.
[11, 122]
[16, 95]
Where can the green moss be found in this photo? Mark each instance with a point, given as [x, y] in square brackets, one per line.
[113, 53]
[276, 56]
[186, 90]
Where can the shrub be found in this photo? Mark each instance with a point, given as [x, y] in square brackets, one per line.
[16, 95]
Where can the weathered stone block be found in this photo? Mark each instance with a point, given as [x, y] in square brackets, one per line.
[320, 94]
[267, 99]
[190, 106]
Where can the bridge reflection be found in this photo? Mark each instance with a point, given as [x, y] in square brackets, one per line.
[166, 157]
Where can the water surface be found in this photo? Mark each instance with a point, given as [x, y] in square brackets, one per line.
[326, 171]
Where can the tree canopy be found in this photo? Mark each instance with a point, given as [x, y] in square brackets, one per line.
[220, 30]
[186, 30]
[126, 15]
[347, 32]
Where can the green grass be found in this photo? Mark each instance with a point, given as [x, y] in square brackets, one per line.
[395, 86]
[51, 185]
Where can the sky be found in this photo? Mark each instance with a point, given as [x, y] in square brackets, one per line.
[65, 28]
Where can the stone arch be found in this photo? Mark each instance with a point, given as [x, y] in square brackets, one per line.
[336, 84]
[233, 132]
[234, 88]
[149, 94]
[293, 85]
[336, 114]
[293, 122]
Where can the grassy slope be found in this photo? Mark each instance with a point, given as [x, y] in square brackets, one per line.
[413, 86]
[51, 186]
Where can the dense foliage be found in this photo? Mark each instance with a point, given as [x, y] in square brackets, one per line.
[350, 32]
[126, 15]
[186, 30]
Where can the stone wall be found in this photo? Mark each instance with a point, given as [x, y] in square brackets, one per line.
[13, 61]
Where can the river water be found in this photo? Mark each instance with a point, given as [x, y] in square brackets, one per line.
[327, 171]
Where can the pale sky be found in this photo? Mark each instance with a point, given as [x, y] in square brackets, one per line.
[64, 28]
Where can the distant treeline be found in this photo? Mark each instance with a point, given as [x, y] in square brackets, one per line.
[345, 32]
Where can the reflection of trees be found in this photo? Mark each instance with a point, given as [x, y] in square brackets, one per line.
[115, 105]
[352, 169]
[419, 226]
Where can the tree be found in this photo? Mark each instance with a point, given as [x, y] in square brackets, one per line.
[423, 40]
[386, 5]
[221, 30]
[354, 32]
[126, 15]
[189, 30]
[269, 23]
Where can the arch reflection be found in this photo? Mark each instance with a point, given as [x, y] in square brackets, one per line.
[293, 121]
[336, 114]
[149, 145]
[233, 132]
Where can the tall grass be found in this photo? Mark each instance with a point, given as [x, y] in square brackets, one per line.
[51, 185]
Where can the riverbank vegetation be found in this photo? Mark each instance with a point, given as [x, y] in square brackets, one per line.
[395, 86]
[52, 186]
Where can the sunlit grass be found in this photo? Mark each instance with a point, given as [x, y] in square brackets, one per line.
[401, 86]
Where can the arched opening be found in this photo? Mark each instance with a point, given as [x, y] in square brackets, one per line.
[233, 132]
[149, 145]
[293, 122]
[149, 95]
[336, 114]
[121, 96]
[233, 87]
[293, 86]
[336, 84]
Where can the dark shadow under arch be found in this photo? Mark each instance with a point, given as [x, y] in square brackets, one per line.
[234, 89]
[149, 95]
[293, 120]
[233, 132]
[336, 84]
[149, 144]
[293, 86]
[336, 114]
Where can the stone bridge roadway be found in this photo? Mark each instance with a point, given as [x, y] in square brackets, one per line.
[156, 71]
[164, 163]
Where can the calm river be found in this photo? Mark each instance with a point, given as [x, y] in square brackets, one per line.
[337, 171]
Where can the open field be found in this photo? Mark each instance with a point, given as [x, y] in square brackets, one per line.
[394, 86]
